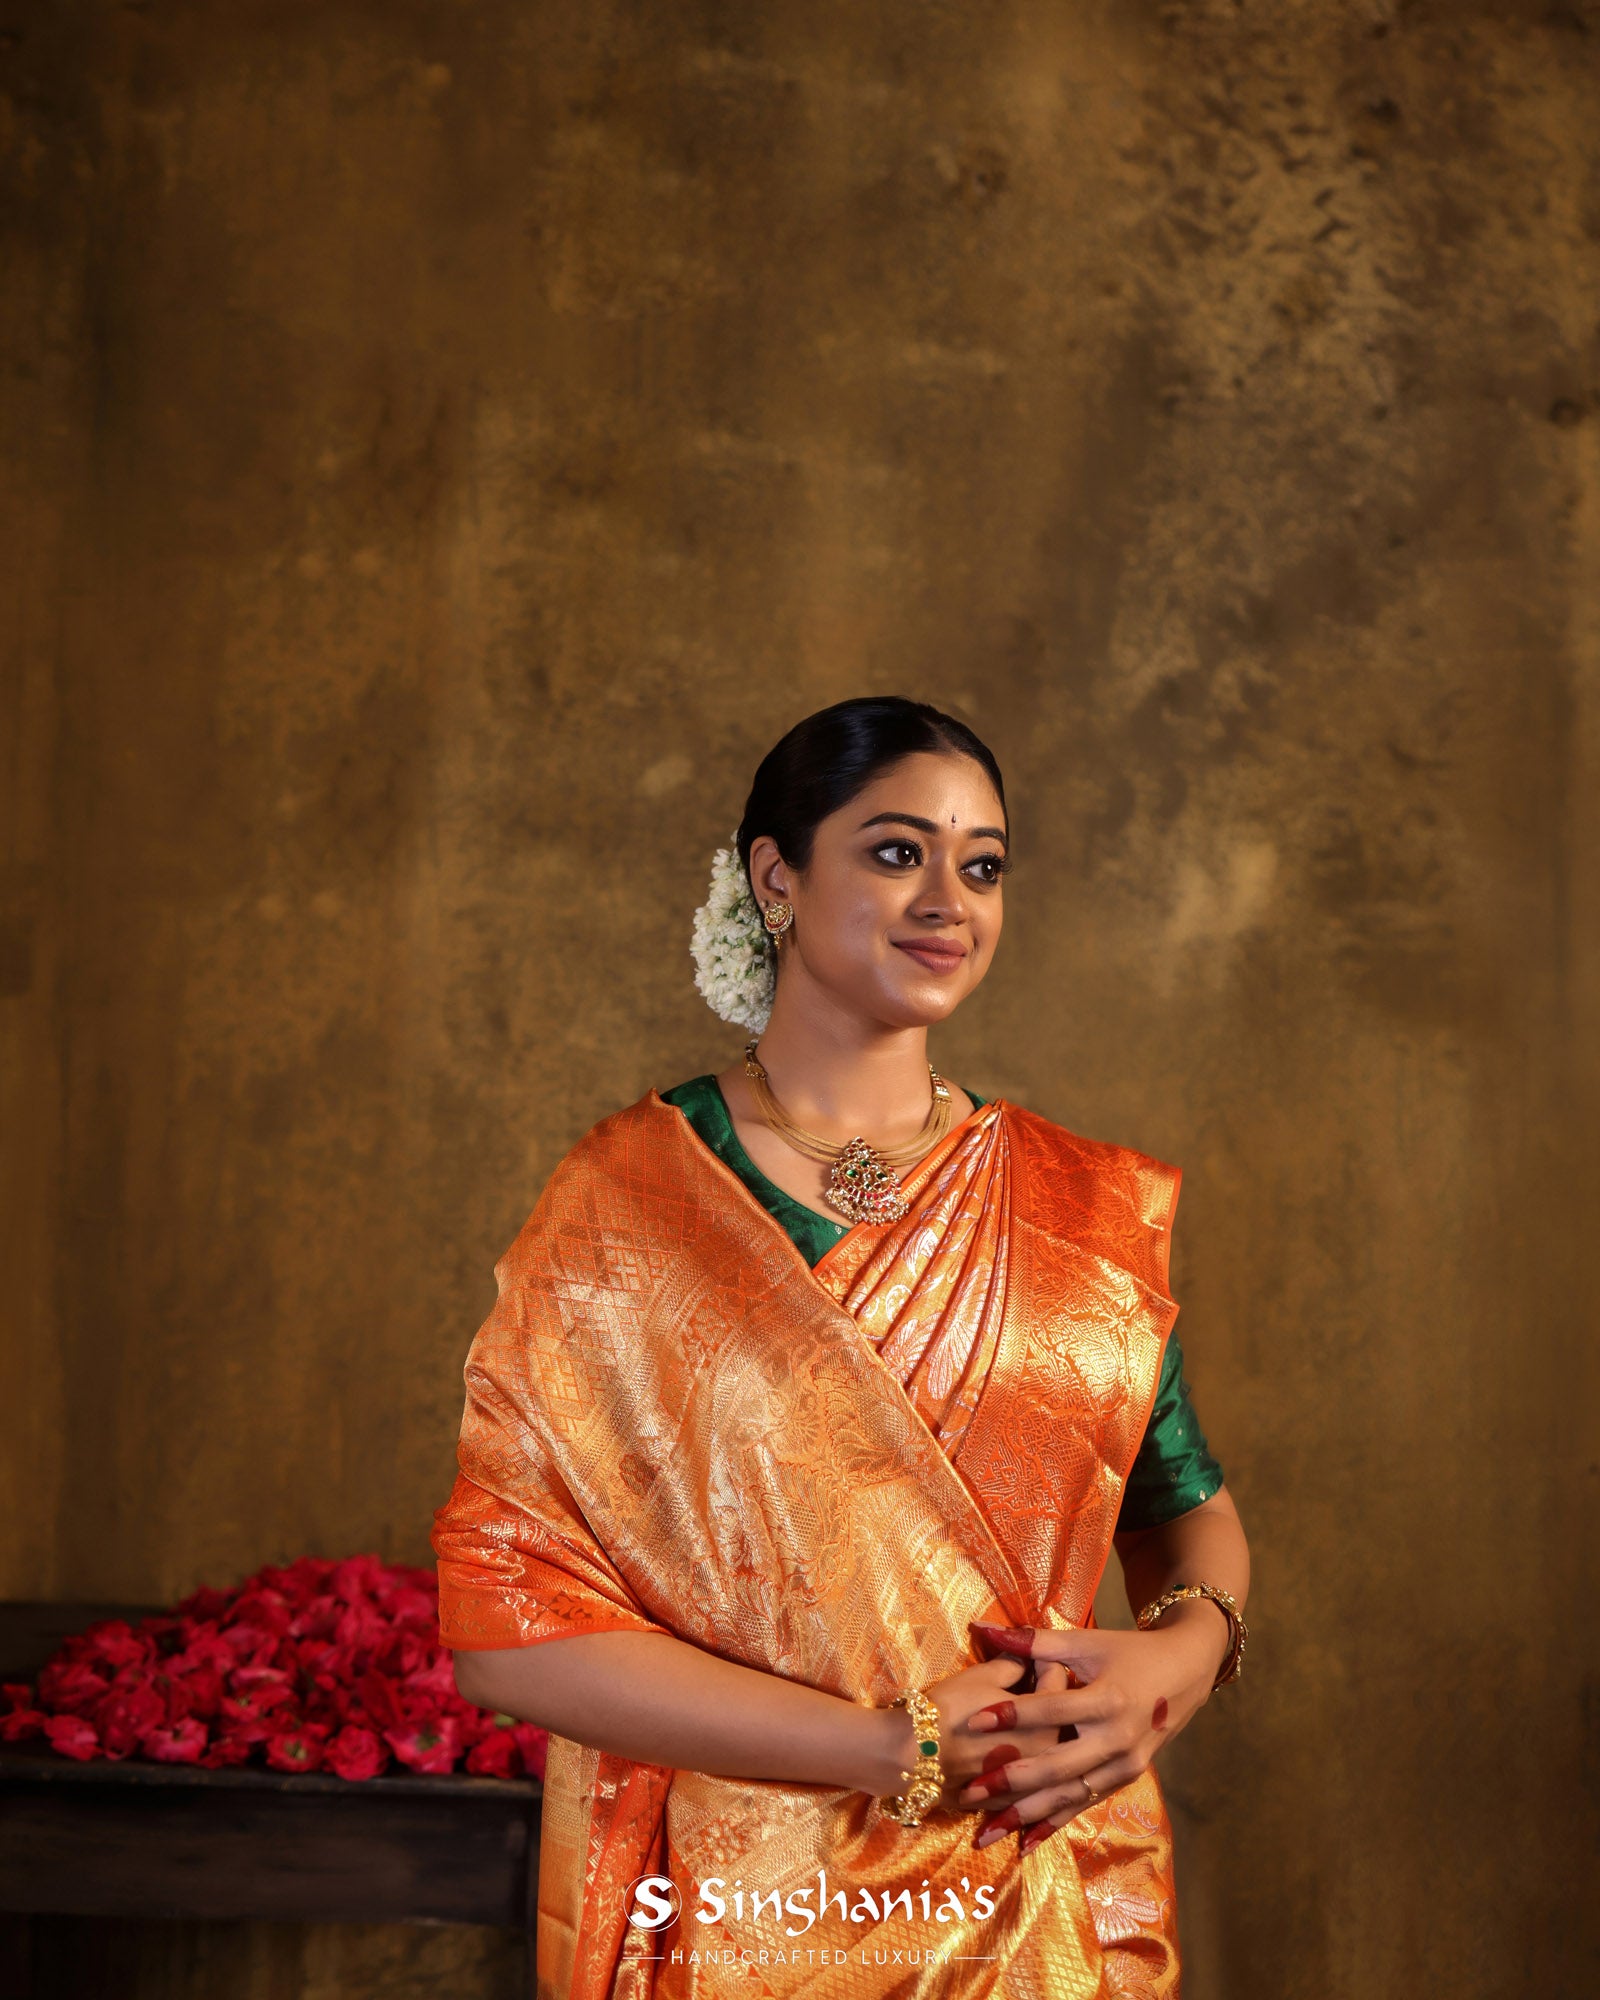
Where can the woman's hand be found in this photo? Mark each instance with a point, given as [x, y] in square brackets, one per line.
[1134, 1692]
[964, 1755]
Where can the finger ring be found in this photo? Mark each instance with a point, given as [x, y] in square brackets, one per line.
[1094, 1797]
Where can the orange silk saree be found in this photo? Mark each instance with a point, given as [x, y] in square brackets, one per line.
[674, 1424]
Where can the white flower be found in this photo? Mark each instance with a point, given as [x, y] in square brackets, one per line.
[736, 968]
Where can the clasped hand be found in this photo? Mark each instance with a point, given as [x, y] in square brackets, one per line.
[1104, 1704]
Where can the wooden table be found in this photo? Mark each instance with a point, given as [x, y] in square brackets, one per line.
[171, 1840]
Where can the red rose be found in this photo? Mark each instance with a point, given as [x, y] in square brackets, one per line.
[405, 1652]
[413, 1607]
[259, 1679]
[317, 1617]
[260, 1611]
[436, 1677]
[126, 1717]
[381, 1699]
[248, 1645]
[114, 1643]
[206, 1652]
[167, 1630]
[429, 1746]
[205, 1603]
[222, 1751]
[356, 1577]
[293, 1656]
[297, 1749]
[252, 1728]
[495, 1755]
[336, 1703]
[199, 1693]
[476, 1723]
[180, 1743]
[336, 1667]
[263, 1610]
[355, 1753]
[70, 1688]
[534, 1743]
[361, 1625]
[252, 1704]
[300, 1581]
[71, 1736]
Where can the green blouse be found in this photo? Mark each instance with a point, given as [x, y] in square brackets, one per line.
[1173, 1471]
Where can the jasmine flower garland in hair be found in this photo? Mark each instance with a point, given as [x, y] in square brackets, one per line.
[735, 966]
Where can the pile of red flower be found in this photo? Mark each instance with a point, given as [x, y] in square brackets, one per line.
[318, 1666]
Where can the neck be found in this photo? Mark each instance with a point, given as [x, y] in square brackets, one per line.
[838, 1074]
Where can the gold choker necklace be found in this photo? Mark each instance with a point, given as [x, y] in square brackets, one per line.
[864, 1186]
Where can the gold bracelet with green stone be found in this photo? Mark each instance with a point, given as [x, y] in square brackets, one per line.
[926, 1780]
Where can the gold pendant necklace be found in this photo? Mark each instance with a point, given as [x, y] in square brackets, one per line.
[863, 1186]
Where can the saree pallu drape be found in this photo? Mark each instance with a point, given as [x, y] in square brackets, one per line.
[674, 1424]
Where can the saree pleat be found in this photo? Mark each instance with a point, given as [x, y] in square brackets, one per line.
[673, 1424]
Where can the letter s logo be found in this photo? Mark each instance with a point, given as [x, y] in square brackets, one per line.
[654, 1902]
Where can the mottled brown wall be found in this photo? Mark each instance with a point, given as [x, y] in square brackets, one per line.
[445, 444]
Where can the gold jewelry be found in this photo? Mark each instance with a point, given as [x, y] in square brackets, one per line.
[927, 1779]
[1233, 1664]
[1094, 1797]
[863, 1186]
[777, 917]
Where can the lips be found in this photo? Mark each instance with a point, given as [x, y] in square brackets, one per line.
[937, 954]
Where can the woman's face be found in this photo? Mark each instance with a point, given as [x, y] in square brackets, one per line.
[898, 912]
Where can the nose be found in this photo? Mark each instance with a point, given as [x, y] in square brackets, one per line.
[944, 894]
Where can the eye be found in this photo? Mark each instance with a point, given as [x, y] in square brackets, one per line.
[993, 865]
[893, 852]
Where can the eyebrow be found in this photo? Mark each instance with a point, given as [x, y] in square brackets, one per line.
[931, 826]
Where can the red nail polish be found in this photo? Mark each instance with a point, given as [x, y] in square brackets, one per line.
[1036, 1835]
[995, 1825]
[1002, 1753]
[1014, 1640]
[1004, 1713]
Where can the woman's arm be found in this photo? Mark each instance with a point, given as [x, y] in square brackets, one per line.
[652, 1697]
[1206, 1545]
[659, 1700]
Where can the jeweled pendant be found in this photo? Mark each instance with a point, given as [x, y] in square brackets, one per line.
[864, 1187]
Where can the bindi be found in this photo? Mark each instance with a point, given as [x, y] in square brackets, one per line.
[1158, 1715]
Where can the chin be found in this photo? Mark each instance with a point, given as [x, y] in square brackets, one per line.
[917, 1007]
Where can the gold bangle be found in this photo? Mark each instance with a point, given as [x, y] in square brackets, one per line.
[927, 1778]
[1233, 1662]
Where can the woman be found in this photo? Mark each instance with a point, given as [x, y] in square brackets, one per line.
[814, 1400]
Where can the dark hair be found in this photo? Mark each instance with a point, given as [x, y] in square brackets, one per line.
[824, 761]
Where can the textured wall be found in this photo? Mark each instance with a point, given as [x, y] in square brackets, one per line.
[445, 444]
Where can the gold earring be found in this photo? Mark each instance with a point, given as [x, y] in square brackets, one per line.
[777, 917]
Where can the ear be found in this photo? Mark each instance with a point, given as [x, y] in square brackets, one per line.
[770, 875]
